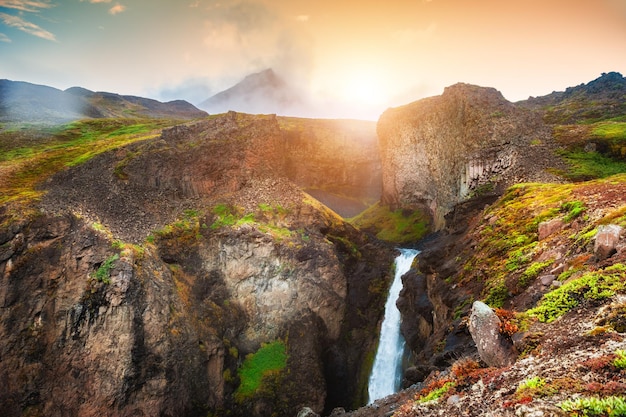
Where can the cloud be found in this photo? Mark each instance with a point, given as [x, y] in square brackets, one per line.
[118, 8]
[4, 38]
[303, 18]
[25, 26]
[99, 1]
[31, 6]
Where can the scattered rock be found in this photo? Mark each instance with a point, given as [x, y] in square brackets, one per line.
[307, 412]
[484, 327]
[453, 400]
[558, 269]
[549, 227]
[606, 241]
[339, 411]
[547, 279]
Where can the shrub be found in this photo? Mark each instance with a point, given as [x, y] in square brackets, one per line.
[595, 285]
[103, 273]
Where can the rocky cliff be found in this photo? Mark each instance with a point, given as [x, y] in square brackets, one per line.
[438, 151]
[337, 161]
[149, 279]
[516, 307]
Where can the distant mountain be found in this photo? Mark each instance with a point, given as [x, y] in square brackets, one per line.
[25, 102]
[21, 101]
[115, 105]
[600, 99]
[263, 92]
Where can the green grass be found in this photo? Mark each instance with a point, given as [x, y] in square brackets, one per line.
[271, 358]
[610, 130]
[25, 167]
[620, 360]
[103, 273]
[436, 393]
[590, 165]
[531, 384]
[397, 226]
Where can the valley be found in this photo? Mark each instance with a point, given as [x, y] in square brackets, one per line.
[157, 260]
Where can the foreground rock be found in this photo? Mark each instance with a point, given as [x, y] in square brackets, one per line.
[493, 348]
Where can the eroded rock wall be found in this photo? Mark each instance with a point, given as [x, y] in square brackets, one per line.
[438, 151]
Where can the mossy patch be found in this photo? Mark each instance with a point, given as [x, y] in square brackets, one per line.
[270, 359]
[397, 226]
[594, 285]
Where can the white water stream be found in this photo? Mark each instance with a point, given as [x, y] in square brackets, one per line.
[387, 370]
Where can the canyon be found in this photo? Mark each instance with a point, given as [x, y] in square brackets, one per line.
[151, 276]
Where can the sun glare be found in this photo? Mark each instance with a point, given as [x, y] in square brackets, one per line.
[363, 87]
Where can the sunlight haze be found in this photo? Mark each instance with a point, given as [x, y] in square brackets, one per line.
[350, 58]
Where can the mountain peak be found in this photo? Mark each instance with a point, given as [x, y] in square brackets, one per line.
[260, 92]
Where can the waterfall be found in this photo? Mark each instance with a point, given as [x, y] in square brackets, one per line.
[387, 373]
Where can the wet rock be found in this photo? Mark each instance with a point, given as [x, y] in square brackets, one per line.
[494, 349]
[607, 239]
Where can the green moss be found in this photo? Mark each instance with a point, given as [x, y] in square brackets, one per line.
[436, 393]
[531, 384]
[497, 293]
[397, 226]
[620, 360]
[532, 272]
[595, 285]
[271, 358]
[573, 209]
[585, 166]
[224, 216]
[593, 406]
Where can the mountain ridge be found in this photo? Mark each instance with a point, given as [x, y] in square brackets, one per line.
[21, 101]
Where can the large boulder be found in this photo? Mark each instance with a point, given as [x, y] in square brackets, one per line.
[493, 348]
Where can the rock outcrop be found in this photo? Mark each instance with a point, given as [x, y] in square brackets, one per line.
[151, 272]
[438, 151]
[484, 326]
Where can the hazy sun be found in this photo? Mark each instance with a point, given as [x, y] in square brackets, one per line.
[363, 87]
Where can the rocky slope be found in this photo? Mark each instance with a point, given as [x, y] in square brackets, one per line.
[150, 277]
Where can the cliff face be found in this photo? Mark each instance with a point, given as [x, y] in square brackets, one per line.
[151, 271]
[438, 151]
[337, 161]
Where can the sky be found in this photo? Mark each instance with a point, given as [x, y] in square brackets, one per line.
[352, 58]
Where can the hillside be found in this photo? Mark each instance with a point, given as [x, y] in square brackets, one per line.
[144, 264]
[22, 102]
[153, 266]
